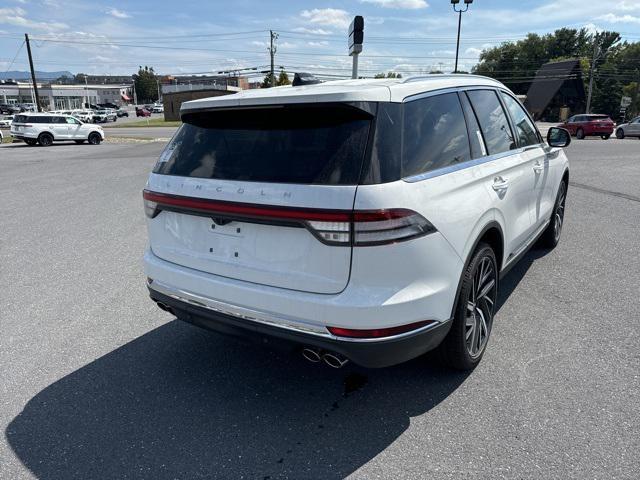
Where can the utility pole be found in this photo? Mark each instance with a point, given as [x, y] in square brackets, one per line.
[455, 69]
[272, 52]
[592, 69]
[33, 73]
[460, 11]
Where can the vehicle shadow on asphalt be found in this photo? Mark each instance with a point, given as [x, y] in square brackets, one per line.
[512, 279]
[180, 402]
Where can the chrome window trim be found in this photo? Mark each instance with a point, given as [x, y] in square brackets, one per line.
[265, 318]
[438, 172]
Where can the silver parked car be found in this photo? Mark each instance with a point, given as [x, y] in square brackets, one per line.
[629, 129]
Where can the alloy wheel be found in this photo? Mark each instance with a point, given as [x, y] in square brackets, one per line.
[558, 215]
[480, 306]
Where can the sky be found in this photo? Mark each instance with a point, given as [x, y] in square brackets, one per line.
[198, 37]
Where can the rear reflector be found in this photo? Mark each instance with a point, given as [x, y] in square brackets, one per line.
[378, 332]
[331, 227]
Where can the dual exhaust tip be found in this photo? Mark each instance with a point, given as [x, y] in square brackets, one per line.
[165, 307]
[315, 355]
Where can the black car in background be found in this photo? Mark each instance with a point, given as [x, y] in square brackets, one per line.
[7, 109]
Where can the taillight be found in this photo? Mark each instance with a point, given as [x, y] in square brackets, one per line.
[373, 227]
[378, 332]
[150, 208]
[388, 226]
[332, 227]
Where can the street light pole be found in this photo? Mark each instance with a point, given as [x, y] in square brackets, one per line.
[460, 12]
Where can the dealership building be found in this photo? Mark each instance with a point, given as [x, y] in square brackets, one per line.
[65, 97]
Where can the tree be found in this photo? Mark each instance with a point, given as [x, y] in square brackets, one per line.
[282, 79]
[516, 63]
[146, 85]
[387, 75]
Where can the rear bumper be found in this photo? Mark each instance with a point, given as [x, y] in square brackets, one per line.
[370, 353]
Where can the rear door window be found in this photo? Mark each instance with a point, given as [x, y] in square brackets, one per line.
[435, 134]
[493, 121]
[305, 144]
[525, 130]
[475, 134]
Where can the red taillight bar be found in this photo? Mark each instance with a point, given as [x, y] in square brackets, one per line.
[378, 332]
[246, 209]
[331, 227]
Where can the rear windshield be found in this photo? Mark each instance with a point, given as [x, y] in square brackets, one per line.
[307, 144]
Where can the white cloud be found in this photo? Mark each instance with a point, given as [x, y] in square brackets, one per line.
[628, 5]
[473, 52]
[322, 43]
[17, 16]
[314, 31]
[592, 28]
[612, 18]
[399, 4]
[334, 17]
[114, 12]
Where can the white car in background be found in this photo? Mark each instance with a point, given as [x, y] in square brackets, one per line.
[363, 220]
[46, 128]
[83, 115]
[629, 129]
[157, 108]
[5, 121]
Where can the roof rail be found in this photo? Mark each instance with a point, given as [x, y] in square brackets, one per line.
[430, 76]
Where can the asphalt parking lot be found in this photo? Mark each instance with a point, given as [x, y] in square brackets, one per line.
[97, 382]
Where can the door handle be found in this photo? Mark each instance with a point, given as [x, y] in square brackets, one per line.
[500, 184]
[538, 167]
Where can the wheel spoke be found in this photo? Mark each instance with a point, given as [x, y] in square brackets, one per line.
[470, 330]
[483, 326]
[486, 289]
[474, 338]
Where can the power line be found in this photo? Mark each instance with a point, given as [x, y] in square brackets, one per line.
[14, 58]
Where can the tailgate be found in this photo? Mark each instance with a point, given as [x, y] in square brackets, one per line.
[262, 195]
[265, 250]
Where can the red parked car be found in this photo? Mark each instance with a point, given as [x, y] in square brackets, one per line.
[589, 125]
[142, 112]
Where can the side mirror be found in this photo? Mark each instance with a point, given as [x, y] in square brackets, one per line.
[558, 137]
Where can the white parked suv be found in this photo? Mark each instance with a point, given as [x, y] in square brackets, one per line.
[363, 220]
[46, 128]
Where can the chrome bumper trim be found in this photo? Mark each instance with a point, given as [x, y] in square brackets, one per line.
[237, 311]
[279, 321]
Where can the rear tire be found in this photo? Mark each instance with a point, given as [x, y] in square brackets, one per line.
[580, 134]
[551, 236]
[619, 134]
[45, 139]
[466, 342]
[95, 138]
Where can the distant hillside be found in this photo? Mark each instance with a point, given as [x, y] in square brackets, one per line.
[17, 75]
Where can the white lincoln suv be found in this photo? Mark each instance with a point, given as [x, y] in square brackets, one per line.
[46, 128]
[363, 220]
